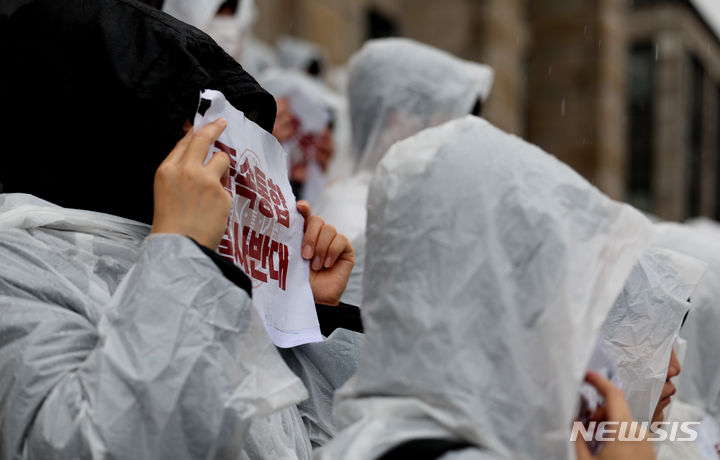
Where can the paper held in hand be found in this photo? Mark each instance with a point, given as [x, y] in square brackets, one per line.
[265, 230]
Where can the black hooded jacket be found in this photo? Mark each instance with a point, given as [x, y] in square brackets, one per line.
[94, 94]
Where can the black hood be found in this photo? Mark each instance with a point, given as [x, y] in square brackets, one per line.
[94, 94]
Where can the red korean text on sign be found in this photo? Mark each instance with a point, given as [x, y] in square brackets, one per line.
[253, 251]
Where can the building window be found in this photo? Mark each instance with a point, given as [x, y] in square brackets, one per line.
[641, 88]
[694, 157]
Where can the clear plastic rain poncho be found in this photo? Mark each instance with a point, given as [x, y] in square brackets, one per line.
[491, 267]
[684, 412]
[113, 345]
[396, 88]
[644, 323]
[299, 54]
[705, 225]
[699, 381]
[231, 30]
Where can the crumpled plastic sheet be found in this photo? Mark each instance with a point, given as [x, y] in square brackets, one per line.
[323, 367]
[644, 322]
[699, 380]
[278, 436]
[491, 267]
[115, 347]
[353, 290]
[397, 87]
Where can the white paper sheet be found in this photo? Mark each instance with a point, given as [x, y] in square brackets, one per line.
[264, 235]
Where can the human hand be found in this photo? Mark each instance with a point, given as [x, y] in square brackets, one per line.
[331, 254]
[615, 409]
[285, 123]
[190, 199]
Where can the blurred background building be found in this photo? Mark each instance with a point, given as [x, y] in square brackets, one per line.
[625, 91]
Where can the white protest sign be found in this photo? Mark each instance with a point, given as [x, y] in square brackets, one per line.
[265, 231]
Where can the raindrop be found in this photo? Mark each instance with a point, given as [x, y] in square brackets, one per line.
[657, 51]
[562, 107]
[549, 71]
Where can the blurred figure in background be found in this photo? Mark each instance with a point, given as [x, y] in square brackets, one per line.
[308, 115]
[396, 88]
[230, 24]
[304, 55]
[698, 386]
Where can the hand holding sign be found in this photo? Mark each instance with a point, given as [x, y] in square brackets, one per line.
[190, 198]
[615, 409]
[264, 232]
[330, 254]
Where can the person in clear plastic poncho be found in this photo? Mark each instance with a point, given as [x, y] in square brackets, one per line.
[303, 55]
[119, 339]
[643, 325]
[230, 24]
[698, 386]
[396, 88]
[491, 267]
[287, 85]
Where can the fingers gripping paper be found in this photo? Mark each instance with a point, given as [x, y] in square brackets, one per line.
[265, 231]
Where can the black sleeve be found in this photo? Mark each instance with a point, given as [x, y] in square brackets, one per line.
[228, 269]
[342, 316]
[424, 449]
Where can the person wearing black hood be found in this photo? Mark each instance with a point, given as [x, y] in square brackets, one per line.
[113, 343]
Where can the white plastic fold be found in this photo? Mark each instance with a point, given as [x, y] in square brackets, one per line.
[116, 346]
[644, 323]
[490, 268]
[699, 381]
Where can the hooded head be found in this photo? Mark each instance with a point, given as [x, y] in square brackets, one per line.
[96, 95]
[283, 82]
[398, 87]
[699, 382]
[297, 53]
[230, 27]
[644, 323]
[490, 268]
